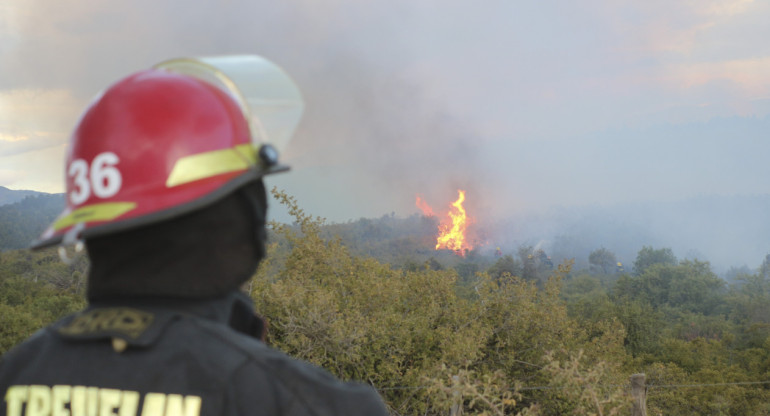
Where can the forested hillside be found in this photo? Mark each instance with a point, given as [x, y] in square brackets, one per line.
[23, 221]
[498, 333]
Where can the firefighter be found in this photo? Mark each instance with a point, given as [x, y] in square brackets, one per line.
[543, 259]
[164, 188]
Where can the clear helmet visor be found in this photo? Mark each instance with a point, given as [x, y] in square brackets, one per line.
[269, 99]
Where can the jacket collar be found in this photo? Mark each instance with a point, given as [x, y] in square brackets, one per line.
[140, 321]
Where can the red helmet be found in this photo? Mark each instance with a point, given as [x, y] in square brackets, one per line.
[168, 140]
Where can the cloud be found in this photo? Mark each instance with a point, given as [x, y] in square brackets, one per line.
[13, 138]
[44, 171]
[751, 75]
[27, 145]
[9, 177]
[663, 29]
[721, 7]
[35, 119]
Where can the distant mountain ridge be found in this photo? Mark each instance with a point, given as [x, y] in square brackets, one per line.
[9, 196]
[724, 230]
[23, 221]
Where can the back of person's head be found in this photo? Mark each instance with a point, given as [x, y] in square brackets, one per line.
[164, 177]
[205, 253]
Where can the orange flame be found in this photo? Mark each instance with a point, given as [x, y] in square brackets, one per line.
[452, 236]
[424, 207]
[451, 231]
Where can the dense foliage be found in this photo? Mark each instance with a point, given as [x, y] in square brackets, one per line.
[22, 222]
[36, 288]
[500, 334]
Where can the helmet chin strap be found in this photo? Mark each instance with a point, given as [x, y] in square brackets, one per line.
[72, 238]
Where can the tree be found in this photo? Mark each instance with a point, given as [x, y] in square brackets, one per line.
[536, 265]
[401, 329]
[642, 324]
[603, 260]
[648, 256]
[749, 305]
[764, 269]
[504, 266]
[690, 286]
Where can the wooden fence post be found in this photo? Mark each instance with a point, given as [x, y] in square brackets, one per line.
[456, 409]
[639, 393]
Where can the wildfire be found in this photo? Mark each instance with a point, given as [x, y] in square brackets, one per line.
[451, 229]
[424, 207]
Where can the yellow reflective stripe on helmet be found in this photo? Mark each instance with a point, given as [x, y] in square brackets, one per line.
[205, 165]
[97, 212]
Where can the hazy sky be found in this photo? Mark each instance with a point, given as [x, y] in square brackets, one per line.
[524, 104]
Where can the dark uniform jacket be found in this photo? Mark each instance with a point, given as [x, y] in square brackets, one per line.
[170, 357]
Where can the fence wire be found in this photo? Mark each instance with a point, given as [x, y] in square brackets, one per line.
[648, 386]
